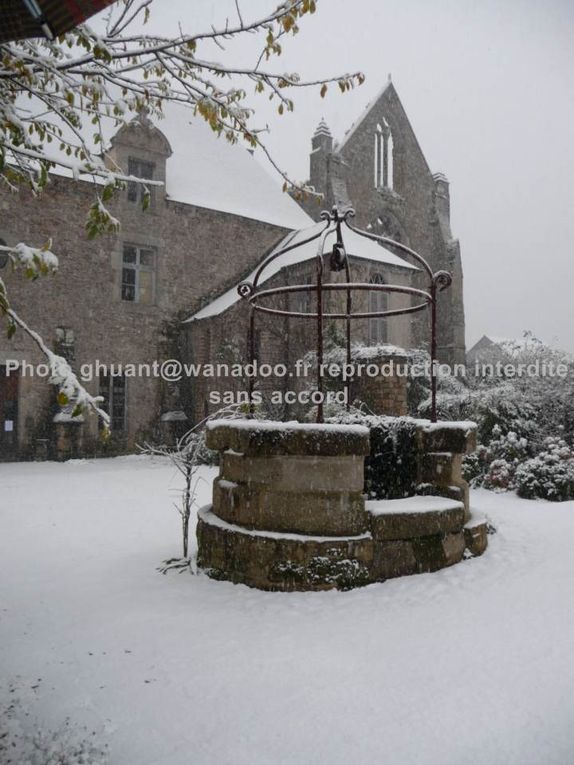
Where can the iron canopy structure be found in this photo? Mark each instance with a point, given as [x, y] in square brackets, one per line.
[335, 259]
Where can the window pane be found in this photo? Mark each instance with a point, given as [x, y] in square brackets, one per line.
[145, 284]
[113, 390]
[128, 284]
[146, 170]
[128, 276]
[128, 293]
[146, 258]
[132, 191]
[130, 254]
[140, 168]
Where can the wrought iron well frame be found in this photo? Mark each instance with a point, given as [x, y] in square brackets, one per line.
[252, 292]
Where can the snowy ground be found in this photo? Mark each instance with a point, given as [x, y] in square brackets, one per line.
[472, 665]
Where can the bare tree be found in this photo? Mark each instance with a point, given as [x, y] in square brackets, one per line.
[186, 456]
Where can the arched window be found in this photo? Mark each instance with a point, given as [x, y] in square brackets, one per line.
[377, 302]
[384, 156]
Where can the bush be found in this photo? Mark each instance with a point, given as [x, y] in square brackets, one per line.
[549, 475]
[494, 466]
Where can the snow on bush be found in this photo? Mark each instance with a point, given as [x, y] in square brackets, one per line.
[548, 475]
[494, 466]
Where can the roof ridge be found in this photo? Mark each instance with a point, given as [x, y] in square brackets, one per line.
[366, 110]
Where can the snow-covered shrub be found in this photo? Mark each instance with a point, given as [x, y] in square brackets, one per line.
[548, 475]
[494, 466]
[332, 568]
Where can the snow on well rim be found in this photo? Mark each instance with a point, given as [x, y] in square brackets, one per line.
[416, 505]
[288, 426]
[466, 425]
[206, 515]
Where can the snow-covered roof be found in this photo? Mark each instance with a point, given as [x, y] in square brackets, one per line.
[366, 110]
[208, 171]
[356, 246]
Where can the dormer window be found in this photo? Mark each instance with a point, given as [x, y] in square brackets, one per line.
[140, 168]
[383, 156]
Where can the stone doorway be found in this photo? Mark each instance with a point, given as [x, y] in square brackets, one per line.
[8, 414]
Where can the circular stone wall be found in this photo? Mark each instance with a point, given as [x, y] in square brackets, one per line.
[289, 513]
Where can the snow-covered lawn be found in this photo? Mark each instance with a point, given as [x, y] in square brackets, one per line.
[472, 665]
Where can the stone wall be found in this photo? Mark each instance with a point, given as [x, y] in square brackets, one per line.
[289, 513]
[198, 251]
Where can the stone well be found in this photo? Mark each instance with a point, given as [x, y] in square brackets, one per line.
[289, 511]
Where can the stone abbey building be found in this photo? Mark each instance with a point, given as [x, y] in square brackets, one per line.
[165, 286]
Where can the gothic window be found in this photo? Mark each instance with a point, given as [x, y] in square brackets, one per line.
[140, 169]
[377, 303]
[113, 391]
[383, 156]
[138, 274]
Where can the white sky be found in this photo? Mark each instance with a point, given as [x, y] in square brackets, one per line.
[488, 89]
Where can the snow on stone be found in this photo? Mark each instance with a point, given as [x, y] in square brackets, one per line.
[227, 485]
[177, 415]
[356, 246]
[361, 351]
[476, 519]
[417, 504]
[287, 427]
[209, 517]
[466, 425]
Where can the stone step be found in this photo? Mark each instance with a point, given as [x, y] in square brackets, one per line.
[258, 506]
[274, 561]
[476, 534]
[414, 517]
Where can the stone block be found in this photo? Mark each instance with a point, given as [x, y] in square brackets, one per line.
[442, 468]
[476, 537]
[263, 438]
[459, 492]
[392, 559]
[258, 506]
[294, 472]
[271, 561]
[414, 517]
[440, 551]
[455, 437]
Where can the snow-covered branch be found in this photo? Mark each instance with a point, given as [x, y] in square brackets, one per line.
[88, 79]
[71, 390]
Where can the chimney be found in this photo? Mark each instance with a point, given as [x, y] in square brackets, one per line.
[321, 150]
